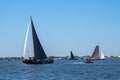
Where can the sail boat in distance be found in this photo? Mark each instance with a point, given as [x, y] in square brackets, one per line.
[97, 54]
[33, 50]
[72, 57]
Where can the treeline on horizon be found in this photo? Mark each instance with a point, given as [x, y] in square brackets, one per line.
[58, 57]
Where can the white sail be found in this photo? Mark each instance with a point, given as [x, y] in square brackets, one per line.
[28, 46]
[102, 55]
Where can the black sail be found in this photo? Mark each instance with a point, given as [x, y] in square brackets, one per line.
[72, 56]
[39, 53]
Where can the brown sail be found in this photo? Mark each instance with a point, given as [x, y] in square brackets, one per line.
[97, 54]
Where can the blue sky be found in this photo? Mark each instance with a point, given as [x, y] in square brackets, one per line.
[62, 25]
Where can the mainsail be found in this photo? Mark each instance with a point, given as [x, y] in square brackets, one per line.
[97, 54]
[34, 50]
[38, 50]
[72, 57]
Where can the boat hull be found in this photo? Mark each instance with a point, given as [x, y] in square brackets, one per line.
[96, 59]
[73, 59]
[89, 61]
[48, 61]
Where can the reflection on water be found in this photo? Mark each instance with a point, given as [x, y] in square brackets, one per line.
[61, 70]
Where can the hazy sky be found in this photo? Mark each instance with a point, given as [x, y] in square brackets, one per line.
[62, 25]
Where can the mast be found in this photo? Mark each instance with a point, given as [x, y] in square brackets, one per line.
[38, 50]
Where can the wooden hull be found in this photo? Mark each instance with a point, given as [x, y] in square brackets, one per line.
[92, 59]
[48, 61]
[96, 59]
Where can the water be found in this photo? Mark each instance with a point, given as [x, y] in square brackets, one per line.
[61, 70]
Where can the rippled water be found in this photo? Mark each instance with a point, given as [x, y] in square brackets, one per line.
[61, 70]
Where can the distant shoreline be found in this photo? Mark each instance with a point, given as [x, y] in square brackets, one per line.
[57, 58]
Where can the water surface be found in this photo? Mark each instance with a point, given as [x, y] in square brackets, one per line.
[61, 70]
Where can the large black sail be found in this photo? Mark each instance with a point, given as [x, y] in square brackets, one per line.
[38, 50]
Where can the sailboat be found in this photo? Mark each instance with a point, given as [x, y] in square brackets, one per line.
[97, 54]
[33, 50]
[72, 57]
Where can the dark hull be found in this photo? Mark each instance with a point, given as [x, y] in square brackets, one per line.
[89, 61]
[48, 61]
[73, 59]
